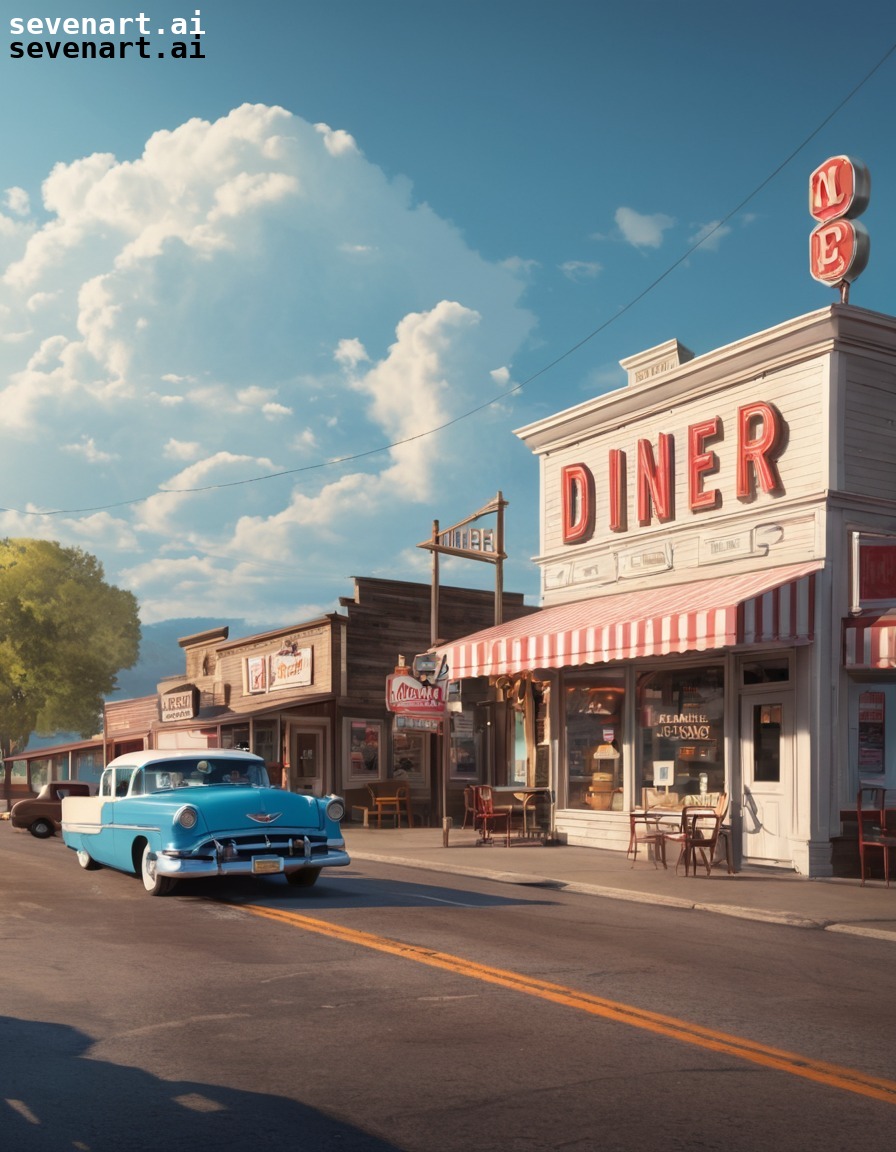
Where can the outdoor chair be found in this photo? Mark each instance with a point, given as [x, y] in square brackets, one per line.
[873, 830]
[699, 834]
[390, 802]
[487, 816]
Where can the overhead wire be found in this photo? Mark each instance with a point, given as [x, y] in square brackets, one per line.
[518, 387]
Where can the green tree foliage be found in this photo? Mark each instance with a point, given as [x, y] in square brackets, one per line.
[64, 636]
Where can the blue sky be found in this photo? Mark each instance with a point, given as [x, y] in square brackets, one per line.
[356, 221]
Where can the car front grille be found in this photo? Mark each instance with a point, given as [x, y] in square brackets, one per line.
[244, 847]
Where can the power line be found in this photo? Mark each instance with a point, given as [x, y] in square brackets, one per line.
[509, 391]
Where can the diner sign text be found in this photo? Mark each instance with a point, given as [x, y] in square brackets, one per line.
[760, 431]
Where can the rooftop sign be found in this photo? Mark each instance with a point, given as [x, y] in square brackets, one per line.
[839, 190]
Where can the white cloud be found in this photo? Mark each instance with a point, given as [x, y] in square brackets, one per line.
[338, 142]
[708, 237]
[211, 308]
[579, 270]
[642, 231]
[182, 449]
[17, 201]
[88, 449]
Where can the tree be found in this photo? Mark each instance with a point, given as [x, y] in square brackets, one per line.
[64, 636]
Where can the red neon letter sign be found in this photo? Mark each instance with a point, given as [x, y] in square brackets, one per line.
[700, 462]
[617, 490]
[655, 479]
[757, 450]
[577, 503]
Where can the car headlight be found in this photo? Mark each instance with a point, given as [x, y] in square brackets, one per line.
[335, 809]
[187, 817]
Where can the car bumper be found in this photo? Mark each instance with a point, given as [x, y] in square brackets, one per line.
[184, 866]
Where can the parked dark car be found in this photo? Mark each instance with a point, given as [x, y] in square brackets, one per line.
[42, 814]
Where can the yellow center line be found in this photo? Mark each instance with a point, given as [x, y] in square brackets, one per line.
[832, 1075]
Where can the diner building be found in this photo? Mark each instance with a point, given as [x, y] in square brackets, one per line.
[718, 575]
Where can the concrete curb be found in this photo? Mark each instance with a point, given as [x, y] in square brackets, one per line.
[522, 879]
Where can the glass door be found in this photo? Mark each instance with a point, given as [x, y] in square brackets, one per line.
[767, 761]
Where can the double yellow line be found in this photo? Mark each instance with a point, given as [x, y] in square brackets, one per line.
[831, 1075]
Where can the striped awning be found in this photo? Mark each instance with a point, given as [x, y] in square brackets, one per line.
[869, 642]
[757, 607]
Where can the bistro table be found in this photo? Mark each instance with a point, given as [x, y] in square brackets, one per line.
[528, 799]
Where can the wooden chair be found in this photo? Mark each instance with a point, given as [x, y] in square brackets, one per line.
[871, 806]
[390, 802]
[487, 816]
[469, 808]
[699, 835]
[646, 830]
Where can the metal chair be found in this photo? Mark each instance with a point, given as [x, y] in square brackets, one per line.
[487, 816]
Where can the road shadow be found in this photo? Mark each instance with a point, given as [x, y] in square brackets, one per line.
[55, 1097]
[347, 889]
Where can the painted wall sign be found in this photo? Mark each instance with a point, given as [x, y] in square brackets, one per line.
[291, 667]
[839, 191]
[180, 703]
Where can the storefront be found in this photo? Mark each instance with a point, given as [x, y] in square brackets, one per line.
[718, 561]
[310, 698]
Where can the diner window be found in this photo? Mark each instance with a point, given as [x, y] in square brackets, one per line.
[594, 740]
[681, 722]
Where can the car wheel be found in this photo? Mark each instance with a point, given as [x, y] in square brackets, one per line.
[154, 884]
[42, 828]
[86, 861]
[303, 878]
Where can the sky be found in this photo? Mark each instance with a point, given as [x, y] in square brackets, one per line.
[267, 313]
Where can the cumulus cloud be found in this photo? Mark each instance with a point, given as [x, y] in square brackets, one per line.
[203, 326]
[642, 231]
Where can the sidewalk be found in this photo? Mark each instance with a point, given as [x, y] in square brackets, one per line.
[835, 905]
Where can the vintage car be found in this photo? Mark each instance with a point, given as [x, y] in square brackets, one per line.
[42, 814]
[172, 815]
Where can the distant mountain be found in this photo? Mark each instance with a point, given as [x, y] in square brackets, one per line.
[160, 657]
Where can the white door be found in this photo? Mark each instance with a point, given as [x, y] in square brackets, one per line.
[766, 741]
[306, 760]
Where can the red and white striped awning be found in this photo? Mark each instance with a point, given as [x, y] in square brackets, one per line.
[869, 642]
[757, 607]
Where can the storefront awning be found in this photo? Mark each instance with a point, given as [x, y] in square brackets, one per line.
[869, 642]
[772, 605]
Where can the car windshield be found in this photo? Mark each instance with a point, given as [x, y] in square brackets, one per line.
[198, 773]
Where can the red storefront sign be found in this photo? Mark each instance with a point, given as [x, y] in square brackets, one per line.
[407, 696]
[839, 190]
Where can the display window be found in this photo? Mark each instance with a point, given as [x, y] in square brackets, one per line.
[594, 740]
[681, 729]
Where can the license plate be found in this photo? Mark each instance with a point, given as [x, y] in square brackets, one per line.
[265, 864]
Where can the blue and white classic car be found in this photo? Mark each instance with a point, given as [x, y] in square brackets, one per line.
[172, 815]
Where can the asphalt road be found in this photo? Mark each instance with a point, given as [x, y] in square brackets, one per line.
[394, 1009]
